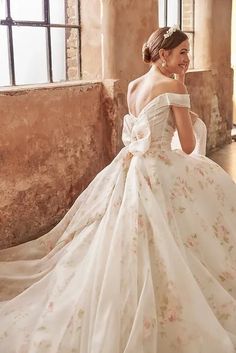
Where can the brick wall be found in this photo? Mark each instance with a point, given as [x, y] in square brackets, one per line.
[187, 25]
[72, 41]
[187, 15]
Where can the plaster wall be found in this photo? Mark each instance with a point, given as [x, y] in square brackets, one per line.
[113, 33]
[91, 39]
[53, 141]
[205, 102]
[213, 52]
[233, 56]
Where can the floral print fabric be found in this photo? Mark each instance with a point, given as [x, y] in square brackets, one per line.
[143, 262]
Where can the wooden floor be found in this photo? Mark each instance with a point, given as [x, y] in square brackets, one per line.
[226, 158]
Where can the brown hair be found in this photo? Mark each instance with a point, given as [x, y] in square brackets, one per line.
[157, 41]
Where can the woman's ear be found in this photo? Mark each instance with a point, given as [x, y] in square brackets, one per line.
[162, 54]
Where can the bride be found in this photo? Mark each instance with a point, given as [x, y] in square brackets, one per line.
[145, 260]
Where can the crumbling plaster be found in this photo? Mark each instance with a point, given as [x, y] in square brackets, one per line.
[53, 140]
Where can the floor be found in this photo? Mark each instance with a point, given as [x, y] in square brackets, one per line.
[226, 158]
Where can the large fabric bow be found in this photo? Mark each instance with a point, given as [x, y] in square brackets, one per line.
[136, 134]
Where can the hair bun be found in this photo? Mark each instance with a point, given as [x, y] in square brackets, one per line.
[146, 53]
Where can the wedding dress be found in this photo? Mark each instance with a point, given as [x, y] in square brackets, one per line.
[143, 262]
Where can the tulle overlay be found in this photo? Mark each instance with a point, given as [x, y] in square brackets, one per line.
[144, 261]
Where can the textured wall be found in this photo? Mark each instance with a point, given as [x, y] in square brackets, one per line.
[233, 55]
[52, 143]
[91, 39]
[213, 51]
[202, 86]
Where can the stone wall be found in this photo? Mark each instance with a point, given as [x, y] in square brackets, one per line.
[53, 141]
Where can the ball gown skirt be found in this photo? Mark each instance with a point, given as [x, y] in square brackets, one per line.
[143, 262]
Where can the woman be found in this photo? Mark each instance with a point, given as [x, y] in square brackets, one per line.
[145, 260]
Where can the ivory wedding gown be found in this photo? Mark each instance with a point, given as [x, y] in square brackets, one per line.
[143, 262]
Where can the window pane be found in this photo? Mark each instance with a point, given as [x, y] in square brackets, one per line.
[172, 12]
[58, 54]
[64, 14]
[3, 9]
[161, 13]
[187, 15]
[30, 55]
[28, 10]
[72, 53]
[4, 57]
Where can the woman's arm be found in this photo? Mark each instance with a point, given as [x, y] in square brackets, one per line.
[183, 122]
[184, 127]
[200, 132]
[193, 116]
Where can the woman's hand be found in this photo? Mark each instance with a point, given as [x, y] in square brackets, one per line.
[181, 77]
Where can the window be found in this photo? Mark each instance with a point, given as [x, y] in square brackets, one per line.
[180, 12]
[39, 41]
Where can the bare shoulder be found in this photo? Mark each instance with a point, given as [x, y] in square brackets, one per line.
[133, 84]
[169, 85]
[133, 87]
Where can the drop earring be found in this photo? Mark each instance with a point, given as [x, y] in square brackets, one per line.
[163, 64]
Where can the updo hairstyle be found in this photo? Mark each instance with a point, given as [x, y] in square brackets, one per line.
[157, 41]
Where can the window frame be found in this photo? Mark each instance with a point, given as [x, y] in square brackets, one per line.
[10, 22]
[180, 20]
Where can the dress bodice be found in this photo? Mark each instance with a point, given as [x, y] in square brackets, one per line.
[154, 124]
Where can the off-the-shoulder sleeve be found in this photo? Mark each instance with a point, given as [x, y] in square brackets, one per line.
[176, 99]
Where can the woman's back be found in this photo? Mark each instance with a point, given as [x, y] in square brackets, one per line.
[143, 89]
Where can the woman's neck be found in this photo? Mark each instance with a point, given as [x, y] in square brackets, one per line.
[161, 70]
